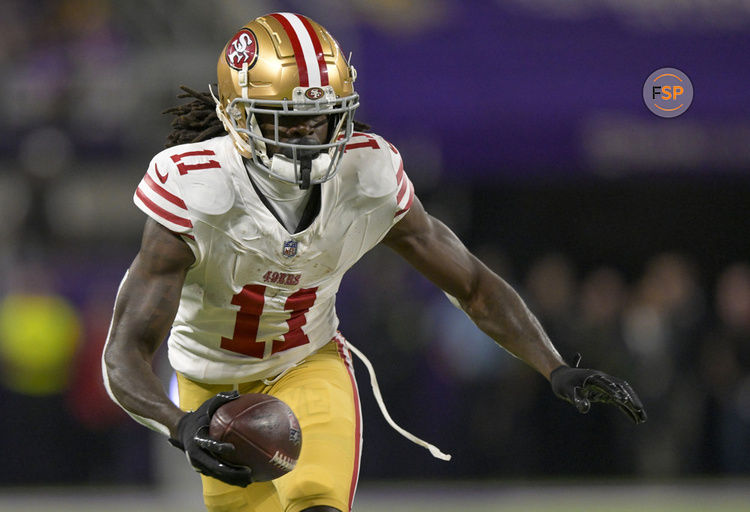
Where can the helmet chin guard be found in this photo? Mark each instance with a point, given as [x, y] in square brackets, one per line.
[305, 171]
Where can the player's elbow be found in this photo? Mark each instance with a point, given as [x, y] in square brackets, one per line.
[472, 298]
[484, 296]
[111, 368]
[476, 307]
[116, 361]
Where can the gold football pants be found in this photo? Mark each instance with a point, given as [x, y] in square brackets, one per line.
[323, 394]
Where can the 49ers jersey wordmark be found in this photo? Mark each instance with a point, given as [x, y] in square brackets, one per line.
[259, 299]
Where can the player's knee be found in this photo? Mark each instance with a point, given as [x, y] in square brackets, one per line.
[233, 501]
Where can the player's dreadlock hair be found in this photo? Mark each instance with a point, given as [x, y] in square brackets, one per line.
[194, 121]
[197, 120]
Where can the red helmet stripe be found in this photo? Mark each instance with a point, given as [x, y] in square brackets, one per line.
[322, 66]
[296, 46]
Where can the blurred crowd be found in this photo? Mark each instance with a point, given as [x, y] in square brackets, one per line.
[683, 345]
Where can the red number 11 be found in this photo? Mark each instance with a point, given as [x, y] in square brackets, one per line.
[251, 300]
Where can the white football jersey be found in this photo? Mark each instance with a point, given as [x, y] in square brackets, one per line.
[259, 299]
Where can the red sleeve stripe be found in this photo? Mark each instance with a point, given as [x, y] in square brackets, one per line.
[161, 212]
[164, 192]
[404, 185]
[408, 203]
[400, 173]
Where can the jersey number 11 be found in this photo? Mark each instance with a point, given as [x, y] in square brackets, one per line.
[251, 300]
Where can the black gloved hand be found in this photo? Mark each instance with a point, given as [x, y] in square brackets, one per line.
[202, 451]
[581, 387]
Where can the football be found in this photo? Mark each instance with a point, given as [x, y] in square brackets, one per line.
[264, 431]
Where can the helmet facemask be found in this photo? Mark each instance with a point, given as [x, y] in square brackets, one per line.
[295, 161]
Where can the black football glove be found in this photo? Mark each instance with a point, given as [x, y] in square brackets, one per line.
[202, 451]
[582, 387]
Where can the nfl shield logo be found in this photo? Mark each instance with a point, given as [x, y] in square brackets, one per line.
[290, 249]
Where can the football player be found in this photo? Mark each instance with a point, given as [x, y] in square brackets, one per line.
[255, 213]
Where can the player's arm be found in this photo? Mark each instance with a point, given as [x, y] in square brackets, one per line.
[433, 249]
[144, 311]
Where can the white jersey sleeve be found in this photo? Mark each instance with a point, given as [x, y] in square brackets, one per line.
[159, 195]
[184, 184]
[380, 176]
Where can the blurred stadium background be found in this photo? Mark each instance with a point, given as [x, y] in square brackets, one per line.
[522, 126]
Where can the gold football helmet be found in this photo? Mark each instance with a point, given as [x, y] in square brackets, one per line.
[285, 64]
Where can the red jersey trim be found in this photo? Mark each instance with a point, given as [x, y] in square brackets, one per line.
[347, 358]
[409, 202]
[161, 212]
[164, 192]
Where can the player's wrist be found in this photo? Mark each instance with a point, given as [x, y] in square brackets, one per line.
[560, 367]
[173, 424]
[558, 370]
[177, 431]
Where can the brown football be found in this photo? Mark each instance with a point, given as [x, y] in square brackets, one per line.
[264, 431]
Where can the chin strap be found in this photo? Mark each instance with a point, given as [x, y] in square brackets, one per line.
[305, 167]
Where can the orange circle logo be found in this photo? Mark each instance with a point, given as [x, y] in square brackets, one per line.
[668, 92]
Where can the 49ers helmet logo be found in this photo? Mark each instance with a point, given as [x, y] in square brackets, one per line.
[314, 93]
[242, 48]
